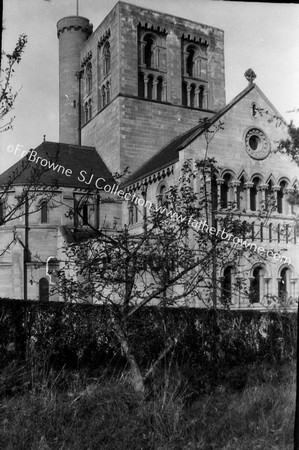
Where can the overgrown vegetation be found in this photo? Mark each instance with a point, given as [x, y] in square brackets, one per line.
[66, 410]
[65, 383]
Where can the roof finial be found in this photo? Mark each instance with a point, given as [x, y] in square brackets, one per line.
[250, 76]
[44, 137]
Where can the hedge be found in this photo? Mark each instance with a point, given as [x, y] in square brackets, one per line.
[81, 336]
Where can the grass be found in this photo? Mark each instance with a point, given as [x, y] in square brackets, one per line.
[69, 412]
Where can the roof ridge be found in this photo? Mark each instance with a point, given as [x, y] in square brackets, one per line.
[191, 134]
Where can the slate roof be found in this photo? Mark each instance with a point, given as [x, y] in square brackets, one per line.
[73, 157]
[170, 153]
[73, 236]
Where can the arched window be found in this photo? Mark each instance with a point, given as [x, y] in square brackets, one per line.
[162, 195]
[201, 97]
[241, 195]
[103, 96]
[226, 191]
[43, 290]
[257, 285]
[150, 86]
[106, 59]
[44, 211]
[192, 96]
[133, 213]
[89, 109]
[141, 85]
[214, 192]
[108, 92]
[88, 78]
[190, 61]
[148, 51]
[281, 198]
[227, 285]
[184, 94]
[254, 194]
[284, 284]
[160, 89]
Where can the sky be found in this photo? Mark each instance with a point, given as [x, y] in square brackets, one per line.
[263, 36]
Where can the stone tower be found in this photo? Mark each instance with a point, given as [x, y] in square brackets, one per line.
[72, 32]
[146, 77]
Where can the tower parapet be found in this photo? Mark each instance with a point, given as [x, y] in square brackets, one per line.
[72, 32]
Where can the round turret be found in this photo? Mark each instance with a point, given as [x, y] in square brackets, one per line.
[72, 32]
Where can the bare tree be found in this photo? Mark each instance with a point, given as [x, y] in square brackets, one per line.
[8, 94]
[174, 258]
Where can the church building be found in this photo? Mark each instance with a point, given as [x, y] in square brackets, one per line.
[133, 97]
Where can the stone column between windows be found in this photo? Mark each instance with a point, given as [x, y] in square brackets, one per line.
[248, 185]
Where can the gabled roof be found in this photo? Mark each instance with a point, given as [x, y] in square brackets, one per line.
[72, 158]
[170, 153]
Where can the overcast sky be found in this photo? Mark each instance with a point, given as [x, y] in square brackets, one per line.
[263, 36]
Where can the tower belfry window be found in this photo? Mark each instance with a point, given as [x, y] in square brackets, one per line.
[106, 59]
[148, 51]
[160, 90]
[88, 78]
[190, 62]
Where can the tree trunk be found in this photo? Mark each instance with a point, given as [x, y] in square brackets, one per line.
[137, 379]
